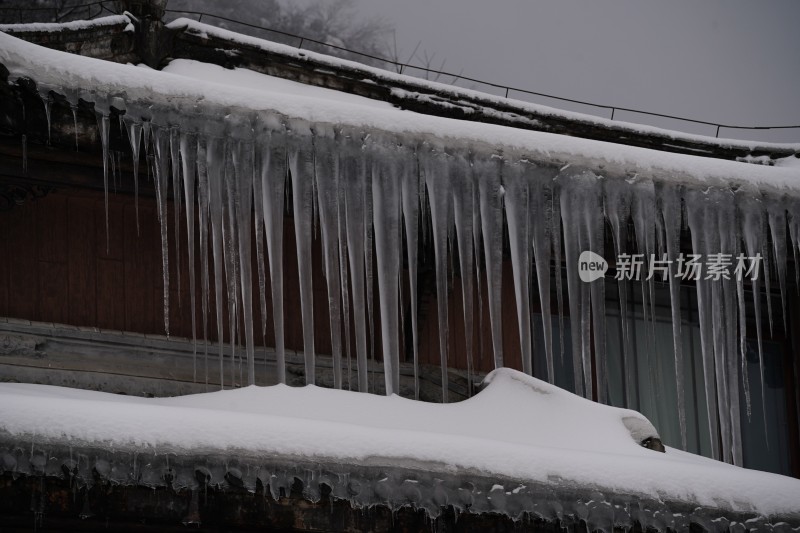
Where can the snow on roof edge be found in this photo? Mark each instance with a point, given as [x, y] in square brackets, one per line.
[100, 81]
[517, 427]
[389, 76]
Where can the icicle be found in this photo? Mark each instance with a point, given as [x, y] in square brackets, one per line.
[794, 240]
[776, 212]
[696, 213]
[463, 207]
[541, 213]
[260, 161]
[203, 192]
[643, 211]
[215, 159]
[326, 163]
[388, 168]
[134, 129]
[729, 245]
[437, 179]
[476, 246]
[713, 245]
[581, 215]
[230, 239]
[487, 175]
[354, 177]
[618, 210]
[753, 230]
[174, 152]
[273, 180]
[595, 228]
[517, 202]
[47, 100]
[345, 291]
[147, 127]
[162, 171]
[767, 265]
[368, 244]
[74, 109]
[301, 168]
[671, 216]
[243, 167]
[556, 234]
[104, 135]
[188, 152]
[410, 199]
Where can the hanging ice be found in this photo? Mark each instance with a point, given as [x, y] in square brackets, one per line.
[479, 207]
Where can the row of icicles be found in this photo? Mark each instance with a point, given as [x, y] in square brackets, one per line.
[375, 191]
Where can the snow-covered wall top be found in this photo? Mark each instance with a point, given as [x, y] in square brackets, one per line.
[75, 25]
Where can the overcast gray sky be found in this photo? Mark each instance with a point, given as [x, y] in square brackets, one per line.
[732, 61]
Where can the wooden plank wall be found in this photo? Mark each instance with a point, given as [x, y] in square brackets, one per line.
[59, 265]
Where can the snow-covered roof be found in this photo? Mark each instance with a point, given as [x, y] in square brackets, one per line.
[517, 428]
[147, 91]
[427, 86]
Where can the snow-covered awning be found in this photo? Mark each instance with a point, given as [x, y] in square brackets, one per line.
[551, 443]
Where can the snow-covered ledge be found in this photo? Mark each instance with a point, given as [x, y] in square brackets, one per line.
[554, 455]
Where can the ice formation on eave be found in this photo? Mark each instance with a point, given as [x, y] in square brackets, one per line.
[375, 176]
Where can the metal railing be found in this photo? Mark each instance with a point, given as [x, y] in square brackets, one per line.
[401, 67]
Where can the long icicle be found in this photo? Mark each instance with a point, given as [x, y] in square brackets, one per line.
[202, 222]
[244, 207]
[487, 176]
[326, 163]
[517, 202]
[670, 203]
[301, 170]
[618, 211]
[541, 213]
[215, 153]
[463, 197]
[273, 181]
[188, 153]
[162, 187]
[437, 180]
[387, 201]
[135, 137]
[177, 200]
[696, 213]
[410, 199]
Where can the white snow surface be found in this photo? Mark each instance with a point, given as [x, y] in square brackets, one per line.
[517, 427]
[248, 79]
[100, 81]
[74, 25]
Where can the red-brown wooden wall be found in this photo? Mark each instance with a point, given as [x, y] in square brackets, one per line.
[59, 267]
